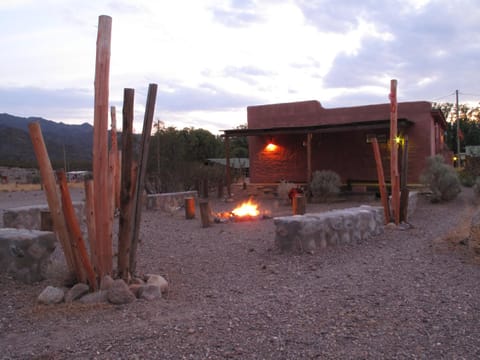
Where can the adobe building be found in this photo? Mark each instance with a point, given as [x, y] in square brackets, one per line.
[290, 141]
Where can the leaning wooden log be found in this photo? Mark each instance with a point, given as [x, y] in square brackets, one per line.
[102, 203]
[381, 180]
[50, 188]
[127, 187]
[142, 170]
[78, 245]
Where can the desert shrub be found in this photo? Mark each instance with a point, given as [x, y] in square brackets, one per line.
[466, 178]
[441, 178]
[476, 187]
[325, 184]
[284, 189]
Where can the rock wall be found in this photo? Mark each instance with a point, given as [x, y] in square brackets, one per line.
[24, 254]
[312, 232]
[30, 217]
[169, 201]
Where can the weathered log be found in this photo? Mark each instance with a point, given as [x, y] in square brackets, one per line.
[127, 187]
[102, 200]
[78, 245]
[49, 186]
[142, 170]
[381, 180]
[90, 219]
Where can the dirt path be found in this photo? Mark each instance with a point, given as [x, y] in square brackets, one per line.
[403, 294]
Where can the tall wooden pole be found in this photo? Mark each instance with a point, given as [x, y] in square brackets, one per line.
[394, 175]
[115, 158]
[142, 170]
[309, 158]
[49, 185]
[102, 200]
[90, 217]
[127, 187]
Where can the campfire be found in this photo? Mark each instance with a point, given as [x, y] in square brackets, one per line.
[246, 211]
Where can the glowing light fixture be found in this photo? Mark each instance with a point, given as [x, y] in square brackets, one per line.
[271, 146]
[398, 139]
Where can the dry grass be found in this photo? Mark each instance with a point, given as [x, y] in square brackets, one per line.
[10, 187]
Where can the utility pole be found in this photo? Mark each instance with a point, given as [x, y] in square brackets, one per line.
[458, 128]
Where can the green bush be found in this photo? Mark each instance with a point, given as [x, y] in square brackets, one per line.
[441, 178]
[325, 184]
[466, 178]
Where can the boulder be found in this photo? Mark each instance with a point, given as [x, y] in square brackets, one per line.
[157, 280]
[119, 293]
[149, 292]
[106, 282]
[96, 297]
[76, 292]
[25, 254]
[51, 295]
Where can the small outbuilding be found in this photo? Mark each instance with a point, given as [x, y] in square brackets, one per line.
[290, 141]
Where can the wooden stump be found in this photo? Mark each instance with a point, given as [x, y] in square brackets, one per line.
[298, 204]
[189, 208]
[205, 213]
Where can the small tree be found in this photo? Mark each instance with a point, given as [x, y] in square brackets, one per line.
[441, 178]
[325, 184]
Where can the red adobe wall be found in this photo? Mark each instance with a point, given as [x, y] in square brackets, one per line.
[346, 153]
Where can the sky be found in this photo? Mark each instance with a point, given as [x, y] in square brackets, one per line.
[213, 58]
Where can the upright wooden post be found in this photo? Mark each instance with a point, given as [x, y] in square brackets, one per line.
[205, 212]
[127, 187]
[298, 204]
[227, 167]
[189, 208]
[404, 182]
[394, 175]
[102, 200]
[49, 185]
[90, 217]
[114, 156]
[381, 180]
[142, 170]
[309, 158]
[78, 245]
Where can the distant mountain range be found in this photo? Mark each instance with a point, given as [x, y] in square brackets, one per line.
[65, 143]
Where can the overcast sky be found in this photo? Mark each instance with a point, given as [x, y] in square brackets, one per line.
[211, 58]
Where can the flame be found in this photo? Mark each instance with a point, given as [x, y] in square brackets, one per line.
[248, 208]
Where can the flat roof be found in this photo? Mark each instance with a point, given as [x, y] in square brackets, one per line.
[324, 128]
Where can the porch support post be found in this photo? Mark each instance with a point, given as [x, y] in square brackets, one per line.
[227, 166]
[309, 158]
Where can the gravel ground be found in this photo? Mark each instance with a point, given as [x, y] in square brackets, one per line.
[406, 294]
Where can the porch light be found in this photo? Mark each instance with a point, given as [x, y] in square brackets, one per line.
[398, 139]
[271, 146]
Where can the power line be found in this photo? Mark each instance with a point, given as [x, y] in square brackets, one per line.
[443, 97]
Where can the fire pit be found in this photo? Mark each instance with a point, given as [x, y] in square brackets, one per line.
[246, 211]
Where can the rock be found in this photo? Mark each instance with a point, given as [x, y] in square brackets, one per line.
[51, 295]
[157, 280]
[119, 293]
[76, 292]
[106, 282]
[134, 288]
[149, 292]
[25, 254]
[96, 297]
